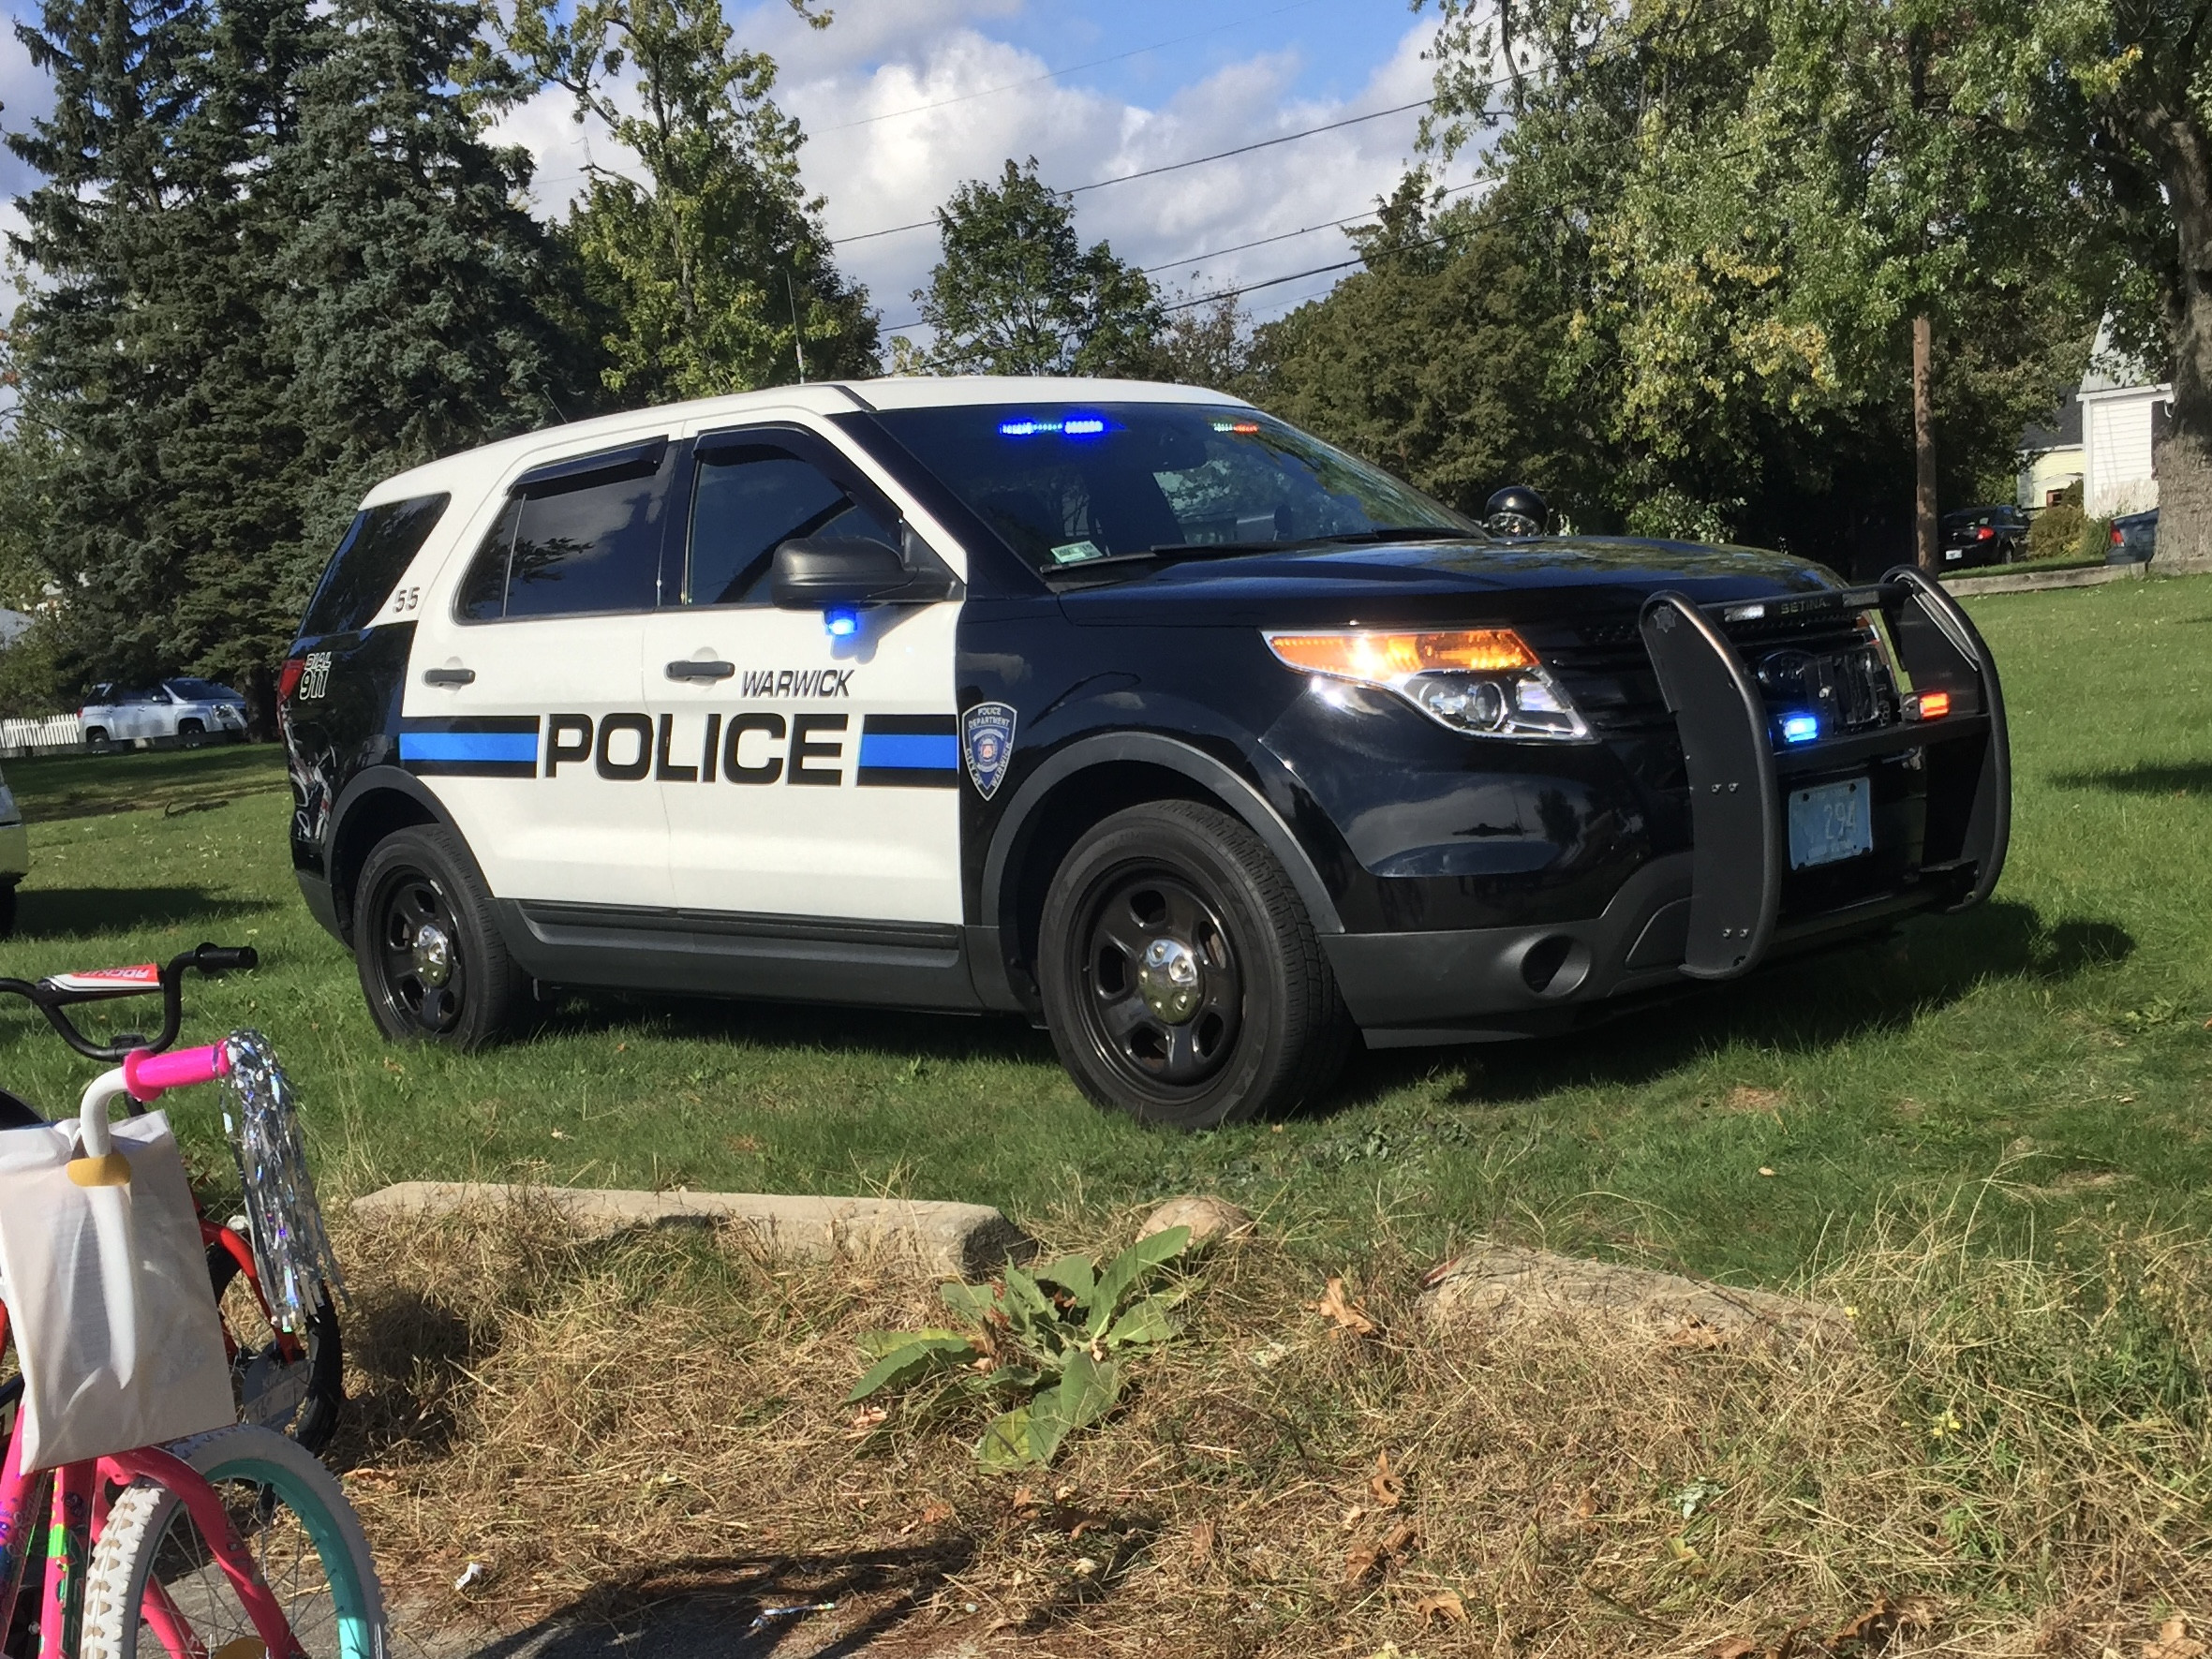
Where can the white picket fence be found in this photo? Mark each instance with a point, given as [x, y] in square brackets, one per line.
[32, 737]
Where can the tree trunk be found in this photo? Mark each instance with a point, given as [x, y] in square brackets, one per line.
[2184, 459]
[1926, 535]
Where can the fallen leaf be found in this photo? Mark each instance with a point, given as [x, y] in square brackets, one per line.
[1444, 1606]
[1764, 1170]
[1695, 1336]
[1364, 1560]
[1685, 1553]
[1734, 1647]
[1586, 1503]
[2175, 1642]
[1062, 1494]
[559, 1135]
[1388, 1488]
[1202, 1537]
[1080, 1528]
[866, 1421]
[1025, 1500]
[621, 1047]
[1873, 1628]
[1349, 1314]
[1354, 1516]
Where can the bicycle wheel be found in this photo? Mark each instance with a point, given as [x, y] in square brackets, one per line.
[151, 1565]
[301, 1396]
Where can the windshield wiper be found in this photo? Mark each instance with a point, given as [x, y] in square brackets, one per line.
[1403, 533]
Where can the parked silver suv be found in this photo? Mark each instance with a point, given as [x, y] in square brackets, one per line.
[185, 711]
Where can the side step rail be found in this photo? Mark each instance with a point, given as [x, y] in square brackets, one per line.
[1735, 813]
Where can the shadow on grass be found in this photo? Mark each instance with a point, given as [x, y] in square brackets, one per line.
[1811, 1004]
[947, 1037]
[55, 912]
[693, 1608]
[2189, 778]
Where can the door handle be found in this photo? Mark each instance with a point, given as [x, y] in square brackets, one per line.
[688, 670]
[449, 677]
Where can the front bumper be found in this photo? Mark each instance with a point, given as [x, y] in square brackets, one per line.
[1732, 901]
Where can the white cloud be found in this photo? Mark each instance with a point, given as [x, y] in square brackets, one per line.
[902, 100]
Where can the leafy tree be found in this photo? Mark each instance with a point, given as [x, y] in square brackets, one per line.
[1765, 222]
[712, 274]
[1435, 362]
[1016, 292]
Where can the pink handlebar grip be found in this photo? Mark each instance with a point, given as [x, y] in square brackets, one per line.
[147, 1074]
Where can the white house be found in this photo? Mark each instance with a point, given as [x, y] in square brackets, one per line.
[2123, 413]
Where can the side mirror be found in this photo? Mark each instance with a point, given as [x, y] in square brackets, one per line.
[814, 573]
[822, 572]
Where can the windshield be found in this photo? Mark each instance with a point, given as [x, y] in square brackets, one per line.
[1066, 484]
[203, 691]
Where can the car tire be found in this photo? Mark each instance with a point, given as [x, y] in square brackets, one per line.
[191, 734]
[432, 964]
[96, 739]
[1183, 981]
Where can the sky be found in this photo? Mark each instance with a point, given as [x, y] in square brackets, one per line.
[902, 100]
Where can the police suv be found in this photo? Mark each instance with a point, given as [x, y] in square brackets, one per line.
[1124, 706]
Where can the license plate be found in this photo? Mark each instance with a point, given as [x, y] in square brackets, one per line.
[1829, 822]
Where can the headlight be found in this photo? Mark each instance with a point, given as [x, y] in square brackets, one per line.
[1482, 681]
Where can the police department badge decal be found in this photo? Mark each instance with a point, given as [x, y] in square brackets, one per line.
[987, 739]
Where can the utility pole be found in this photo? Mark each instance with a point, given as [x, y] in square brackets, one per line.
[1923, 445]
[798, 343]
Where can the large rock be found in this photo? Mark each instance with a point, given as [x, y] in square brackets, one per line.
[1500, 1284]
[965, 1239]
[1208, 1218]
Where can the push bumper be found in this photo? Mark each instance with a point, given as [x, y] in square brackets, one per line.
[1717, 912]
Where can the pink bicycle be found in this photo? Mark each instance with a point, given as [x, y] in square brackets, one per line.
[235, 1544]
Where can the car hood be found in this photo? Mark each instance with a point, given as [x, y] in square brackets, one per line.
[1475, 580]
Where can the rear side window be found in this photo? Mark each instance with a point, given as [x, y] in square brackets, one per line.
[377, 548]
[572, 545]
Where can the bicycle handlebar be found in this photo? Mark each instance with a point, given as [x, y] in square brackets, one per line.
[146, 1073]
[62, 991]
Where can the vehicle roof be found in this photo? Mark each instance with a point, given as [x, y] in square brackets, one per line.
[827, 397]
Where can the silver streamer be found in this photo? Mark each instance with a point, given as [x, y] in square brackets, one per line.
[284, 1224]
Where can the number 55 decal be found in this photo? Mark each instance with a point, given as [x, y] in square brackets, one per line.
[405, 600]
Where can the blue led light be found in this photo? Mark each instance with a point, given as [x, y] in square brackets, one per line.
[841, 622]
[1084, 426]
[1017, 429]
[1800, 728]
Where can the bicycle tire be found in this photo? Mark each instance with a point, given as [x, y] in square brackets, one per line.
[265, 1475]
[316, 1419]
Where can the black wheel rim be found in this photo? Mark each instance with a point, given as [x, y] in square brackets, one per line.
[421, 972]
[1160, 987]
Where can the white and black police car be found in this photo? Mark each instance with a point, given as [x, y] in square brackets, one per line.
[1124, 707]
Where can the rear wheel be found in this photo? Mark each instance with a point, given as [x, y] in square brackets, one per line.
[191, 734]
[154, 1586]
[96, 738]
[432, 963]
[1181, 977]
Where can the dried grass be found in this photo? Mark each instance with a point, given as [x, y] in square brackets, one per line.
[2016, 1458]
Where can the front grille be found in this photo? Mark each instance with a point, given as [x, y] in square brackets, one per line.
[1825, 662]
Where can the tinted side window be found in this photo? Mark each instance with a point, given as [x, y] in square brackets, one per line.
[375, 550]
[748, 500]
[570, 548]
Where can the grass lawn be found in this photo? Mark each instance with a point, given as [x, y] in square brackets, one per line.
[2053, 1044]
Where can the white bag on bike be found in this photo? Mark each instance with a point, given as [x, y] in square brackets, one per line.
[108, 1297]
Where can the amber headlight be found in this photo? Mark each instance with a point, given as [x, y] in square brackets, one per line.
[1483, 681]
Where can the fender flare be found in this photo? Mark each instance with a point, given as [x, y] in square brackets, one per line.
[1151, 748]
[380, 779]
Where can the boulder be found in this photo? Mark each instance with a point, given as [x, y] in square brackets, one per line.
[1208, 1218]
[1502, 1284]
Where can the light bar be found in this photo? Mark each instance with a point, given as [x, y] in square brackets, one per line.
[1383, 659]
[1800, 728]
[1933, 705]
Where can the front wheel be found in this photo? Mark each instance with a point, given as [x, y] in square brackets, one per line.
[296, 1388]
[432, 962]
[1183, 980]
[154, 1586]
[191, 734]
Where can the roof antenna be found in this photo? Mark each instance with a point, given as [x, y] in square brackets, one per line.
[798, 343]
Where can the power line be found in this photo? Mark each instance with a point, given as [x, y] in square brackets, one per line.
[1071, 69]
[1287, 235]
[1152, 172]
